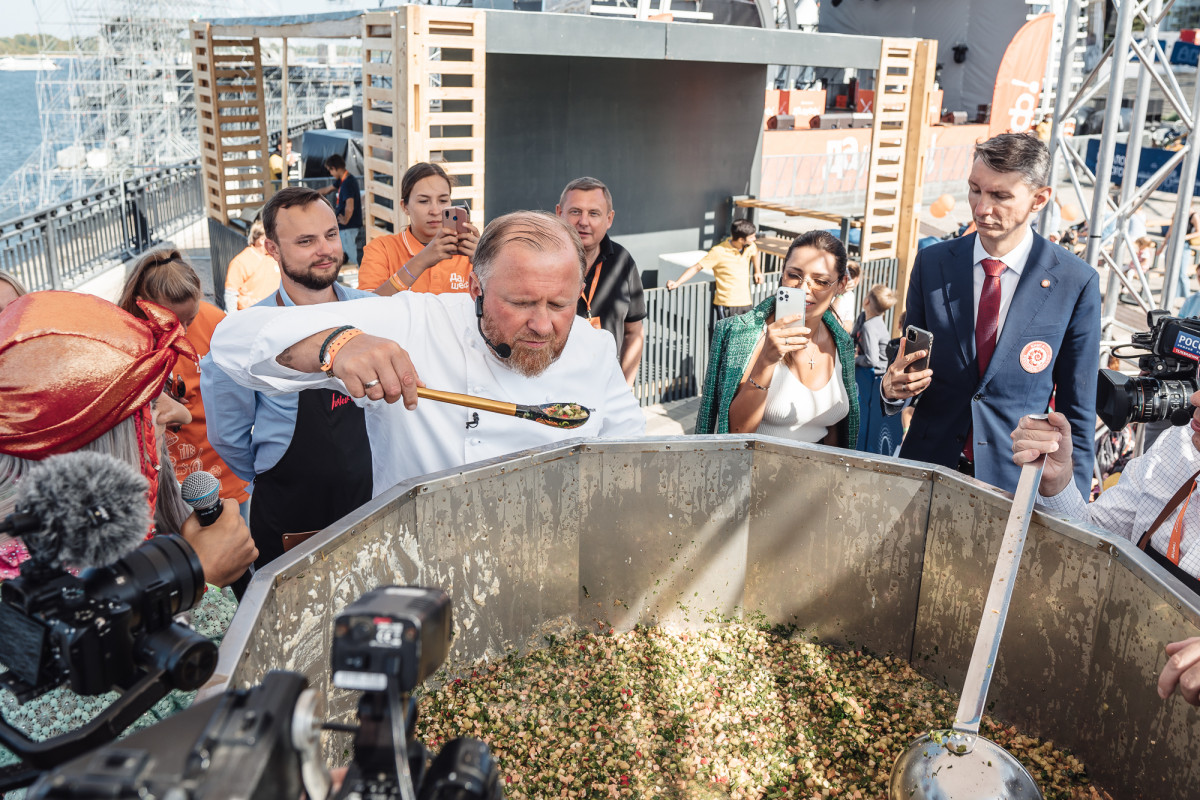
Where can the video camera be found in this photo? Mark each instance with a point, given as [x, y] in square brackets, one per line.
[112, 627]
[264, 742]
[1172, 351]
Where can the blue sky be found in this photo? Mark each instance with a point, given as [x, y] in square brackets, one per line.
[19, 17]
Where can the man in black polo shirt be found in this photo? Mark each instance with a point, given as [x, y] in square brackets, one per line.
[348, 208]
[612, 288]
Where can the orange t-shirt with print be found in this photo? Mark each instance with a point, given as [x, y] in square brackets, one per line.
[385, 255]
[188, 448]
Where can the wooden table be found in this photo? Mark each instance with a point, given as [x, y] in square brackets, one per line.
[773, 249]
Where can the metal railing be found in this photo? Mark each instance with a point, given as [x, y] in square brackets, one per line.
[62, 246]
[675, 355]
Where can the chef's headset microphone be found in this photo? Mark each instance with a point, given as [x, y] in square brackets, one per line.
[501, 350]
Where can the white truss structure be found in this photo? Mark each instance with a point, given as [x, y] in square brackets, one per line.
[122, 102]
[1109, 242]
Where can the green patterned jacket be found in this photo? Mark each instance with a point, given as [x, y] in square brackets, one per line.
[732, 345]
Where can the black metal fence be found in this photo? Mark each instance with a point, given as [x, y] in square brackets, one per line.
[62, 246]
[675, 355]
[224, 242]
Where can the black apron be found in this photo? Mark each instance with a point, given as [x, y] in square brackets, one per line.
[324, 475]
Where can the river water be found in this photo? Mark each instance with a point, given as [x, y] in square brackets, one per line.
[20, 132]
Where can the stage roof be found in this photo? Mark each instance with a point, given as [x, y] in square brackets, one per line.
[541, 33]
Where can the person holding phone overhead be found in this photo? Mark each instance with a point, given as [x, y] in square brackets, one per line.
[1015, 322]
[429, 255]
[787, 374]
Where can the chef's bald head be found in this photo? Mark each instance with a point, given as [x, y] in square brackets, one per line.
[534, 230]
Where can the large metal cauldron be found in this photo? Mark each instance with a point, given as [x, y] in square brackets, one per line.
[882, 554]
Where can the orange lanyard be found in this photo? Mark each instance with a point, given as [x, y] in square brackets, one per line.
[595, 280]
[1177, 530]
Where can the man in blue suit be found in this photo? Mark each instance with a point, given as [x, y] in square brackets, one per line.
[1015, 320]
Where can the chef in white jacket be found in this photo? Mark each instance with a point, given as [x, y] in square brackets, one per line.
[515, 337]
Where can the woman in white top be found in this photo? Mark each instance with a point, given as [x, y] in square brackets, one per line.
[796, 383]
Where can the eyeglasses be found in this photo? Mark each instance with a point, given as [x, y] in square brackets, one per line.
[818, 284]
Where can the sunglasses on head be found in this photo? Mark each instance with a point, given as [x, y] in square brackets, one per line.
[175, 387]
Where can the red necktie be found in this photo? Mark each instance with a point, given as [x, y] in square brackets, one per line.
[987, 321]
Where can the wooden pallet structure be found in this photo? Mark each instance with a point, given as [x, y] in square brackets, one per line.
[232, 120]
[423, 100]
[899, 140]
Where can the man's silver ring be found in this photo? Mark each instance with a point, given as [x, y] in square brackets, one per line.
[369, 384]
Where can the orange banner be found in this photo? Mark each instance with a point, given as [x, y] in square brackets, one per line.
[1019, 81]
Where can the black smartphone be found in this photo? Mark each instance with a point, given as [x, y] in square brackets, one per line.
[917, 339]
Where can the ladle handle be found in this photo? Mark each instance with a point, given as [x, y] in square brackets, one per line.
[995, 608]
[470, 401]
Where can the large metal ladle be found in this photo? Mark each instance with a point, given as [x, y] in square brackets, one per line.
[959, 764]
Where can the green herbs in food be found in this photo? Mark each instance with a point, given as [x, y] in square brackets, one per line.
[733, 711]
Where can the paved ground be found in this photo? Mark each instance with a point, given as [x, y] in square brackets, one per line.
[672, 419]
[191, 240]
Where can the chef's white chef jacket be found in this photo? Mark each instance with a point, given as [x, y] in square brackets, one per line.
[441, 336]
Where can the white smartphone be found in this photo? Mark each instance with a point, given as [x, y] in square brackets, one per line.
[789, 301]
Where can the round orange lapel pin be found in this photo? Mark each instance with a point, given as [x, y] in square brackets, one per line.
[1035, 357]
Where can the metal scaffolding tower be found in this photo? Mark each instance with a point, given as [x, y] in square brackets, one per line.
[123, 101]
[1109, 213]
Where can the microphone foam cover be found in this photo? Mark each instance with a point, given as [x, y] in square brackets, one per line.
[93, 509]
[201, 490]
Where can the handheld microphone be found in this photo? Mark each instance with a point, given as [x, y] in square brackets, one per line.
[201, 491]
[80, 509]
[501, 350]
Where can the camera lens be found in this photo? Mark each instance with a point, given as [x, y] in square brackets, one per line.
[1121, 399]
[160, 579]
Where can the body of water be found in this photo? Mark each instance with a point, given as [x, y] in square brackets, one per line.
[21, 134]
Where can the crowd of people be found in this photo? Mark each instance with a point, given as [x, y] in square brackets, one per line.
[302, 397]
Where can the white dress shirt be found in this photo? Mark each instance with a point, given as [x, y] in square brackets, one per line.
[1146, 484]
[1015, 260]
[439, 332]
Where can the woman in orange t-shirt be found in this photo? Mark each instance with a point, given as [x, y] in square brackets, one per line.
[164, 277]
[426, 256]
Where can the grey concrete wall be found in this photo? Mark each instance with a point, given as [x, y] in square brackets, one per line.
[672, 139]
[985, 26]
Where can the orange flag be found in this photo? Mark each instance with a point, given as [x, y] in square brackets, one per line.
[1019, 81]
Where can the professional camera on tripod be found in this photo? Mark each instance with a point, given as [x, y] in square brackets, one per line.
[112, 627]
[264, 742]
[1170, 352]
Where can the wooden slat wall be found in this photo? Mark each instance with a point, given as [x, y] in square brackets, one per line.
[384, 133]
[418, 61]
[232, 121]
[912, 197]
[889, 148]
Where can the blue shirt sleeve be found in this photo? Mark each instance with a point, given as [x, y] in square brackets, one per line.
[229, 415]
[1191, 306]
